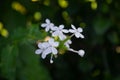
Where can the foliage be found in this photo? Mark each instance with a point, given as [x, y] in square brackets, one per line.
[20, 31]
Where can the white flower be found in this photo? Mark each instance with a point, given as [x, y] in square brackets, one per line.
[48, 25]
[53, 45]
[58, 31]
[67, 43]
[47, 48]
[50, 45]
[42, 48]
[61, 29]
[76, 32]
[81, 53]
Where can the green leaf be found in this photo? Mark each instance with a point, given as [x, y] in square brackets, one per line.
[8, 61]
[29, 67]
[22, 63]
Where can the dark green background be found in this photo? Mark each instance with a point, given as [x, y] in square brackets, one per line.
[102, 41]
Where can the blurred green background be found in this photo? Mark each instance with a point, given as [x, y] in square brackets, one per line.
[20, 31]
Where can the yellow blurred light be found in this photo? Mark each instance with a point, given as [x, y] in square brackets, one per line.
[4, 32]
[46, 2]
[118, 49]
[37, 16]
[34, 0]
[47, 38]
[63, 3]
[19, 7]
[1, 26]
[94, 5]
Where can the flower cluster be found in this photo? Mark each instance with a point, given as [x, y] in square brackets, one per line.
[51, 46]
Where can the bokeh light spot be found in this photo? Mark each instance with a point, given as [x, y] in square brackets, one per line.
[37, 16]
[18, 7]
[94, 5]
[46, 2]
[4, 33]
[63, 3]
[118, 49]
[35, 0]
[47, 38]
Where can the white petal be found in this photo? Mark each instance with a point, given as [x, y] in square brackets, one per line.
[56, 44]
[54, 28]
[46, 52]
[38, 51]
[54, 50]
[61, 26]
[51, 41]
[77, 34]
[82, 36]
[73, 27]
[80, 30]
[81, 53]
[62, 36]
[67, 45]
[40, 45]
[65, 31]
[43, 25]
[55, 33]
[45, 45]
[47, 21]
[69, 41]
[47, 29]
[71, 30]
[51, 26]
[43, 56]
